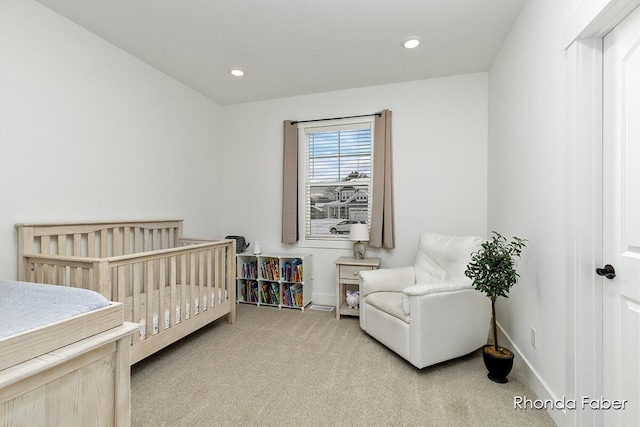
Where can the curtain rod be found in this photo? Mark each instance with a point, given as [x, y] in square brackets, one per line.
[336, 118]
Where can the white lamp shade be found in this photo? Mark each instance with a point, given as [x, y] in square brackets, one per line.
[359, 232]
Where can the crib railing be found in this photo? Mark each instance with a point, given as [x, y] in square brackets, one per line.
[191, 275]
[196, 282]
[99, 239]
[114, 277]
[164, 278]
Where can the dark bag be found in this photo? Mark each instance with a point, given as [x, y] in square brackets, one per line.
[241, 243]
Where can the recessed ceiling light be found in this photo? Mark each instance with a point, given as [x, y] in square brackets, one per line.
[237, 72]
[411, 42]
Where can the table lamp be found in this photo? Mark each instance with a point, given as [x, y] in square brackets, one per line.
[359, 233]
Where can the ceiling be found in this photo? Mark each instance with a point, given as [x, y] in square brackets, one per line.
[297, 47]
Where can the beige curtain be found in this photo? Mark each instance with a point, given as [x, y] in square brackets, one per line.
[290, 184]
[381, 234]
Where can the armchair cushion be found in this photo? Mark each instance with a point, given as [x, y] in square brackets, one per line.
[443, 258]
[390, 303]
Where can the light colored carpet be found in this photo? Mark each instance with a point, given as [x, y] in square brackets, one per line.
[286, 367]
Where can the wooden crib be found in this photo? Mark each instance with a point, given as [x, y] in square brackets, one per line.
[73, 370]
[171, 285]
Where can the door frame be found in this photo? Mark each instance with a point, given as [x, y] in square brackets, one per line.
[584, 35]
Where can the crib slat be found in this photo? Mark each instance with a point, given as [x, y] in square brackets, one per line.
[83, 276]
[126, 250]
[127, 240]
[146, 240]
[47, 273]
[77, 245]
[200, 270]
[183, 287]
[75, 251]
[91, 244]
[115, 242]
[135, 298]
[228, 271]
[76, 277]
[161, 289]
[61, 244]
[210, 288]
[192, 281]
[137, 240]
[73, 278]
[62, 250]
[172, 241]
[220, 287]
[172, 284]
[45, 245]
[30, 272]
[148, 288]
[101, 280]
[37, 273]
[154, 240]
[121, 284]
[177, 233]
[164, 238]
[104, 243]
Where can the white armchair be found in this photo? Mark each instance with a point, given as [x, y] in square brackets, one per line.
[430, 312]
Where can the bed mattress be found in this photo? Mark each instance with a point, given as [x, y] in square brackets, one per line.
[25, 306]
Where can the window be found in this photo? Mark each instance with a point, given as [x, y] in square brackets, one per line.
[335, 178]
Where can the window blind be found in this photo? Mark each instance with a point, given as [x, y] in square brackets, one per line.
[338, 164]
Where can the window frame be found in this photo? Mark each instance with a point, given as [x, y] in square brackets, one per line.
[328, 242]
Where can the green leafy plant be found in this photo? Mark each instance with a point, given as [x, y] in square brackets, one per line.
[493, 271]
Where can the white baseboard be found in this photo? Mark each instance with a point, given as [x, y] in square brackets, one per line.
[536, 382]
[324, 299]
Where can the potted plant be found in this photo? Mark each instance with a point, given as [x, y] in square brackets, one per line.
[493, 271]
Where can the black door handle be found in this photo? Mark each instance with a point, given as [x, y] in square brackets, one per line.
[608, 271]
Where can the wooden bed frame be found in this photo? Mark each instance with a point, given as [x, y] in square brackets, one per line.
[161, 278]
[80, 377]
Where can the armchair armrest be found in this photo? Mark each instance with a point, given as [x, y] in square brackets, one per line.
[416, 292]
[434, 288]
[386, 280]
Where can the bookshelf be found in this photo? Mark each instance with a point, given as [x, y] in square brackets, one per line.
[274, 280]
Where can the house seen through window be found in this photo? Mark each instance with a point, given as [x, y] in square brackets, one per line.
[336, 177]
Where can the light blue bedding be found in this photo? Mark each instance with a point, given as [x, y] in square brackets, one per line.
[25, 306]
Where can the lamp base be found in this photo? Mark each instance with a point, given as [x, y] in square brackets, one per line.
[359, 249]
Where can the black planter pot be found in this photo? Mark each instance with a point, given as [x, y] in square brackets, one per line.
[498, 367]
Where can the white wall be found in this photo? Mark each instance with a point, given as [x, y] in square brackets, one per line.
[527, 187]
[87, 132]
[439, 156]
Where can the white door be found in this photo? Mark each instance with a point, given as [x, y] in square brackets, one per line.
[621, 228]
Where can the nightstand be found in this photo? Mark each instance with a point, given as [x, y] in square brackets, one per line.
[347, 269]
